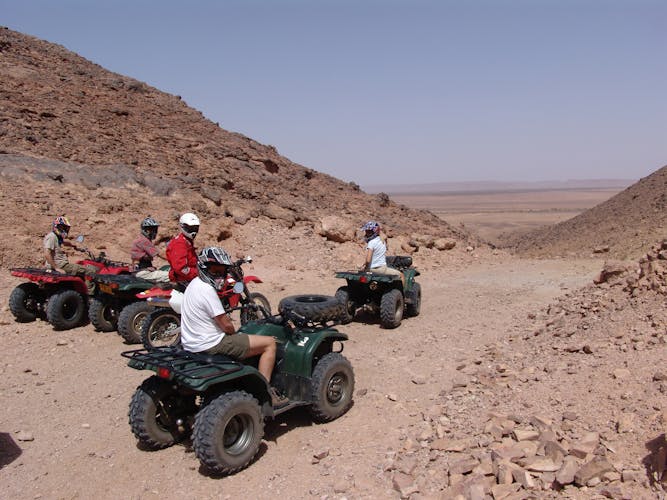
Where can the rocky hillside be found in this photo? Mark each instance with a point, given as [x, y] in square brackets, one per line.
[573, 407]
[107, 150]
[622, 227]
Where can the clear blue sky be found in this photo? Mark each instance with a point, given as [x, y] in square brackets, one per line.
[398, 91]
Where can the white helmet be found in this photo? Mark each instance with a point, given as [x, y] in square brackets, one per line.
[189, 223]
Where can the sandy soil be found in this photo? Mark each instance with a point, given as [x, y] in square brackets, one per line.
[73, 396]
[490, 214]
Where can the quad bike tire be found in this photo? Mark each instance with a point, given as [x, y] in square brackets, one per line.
[414, 302]
[391, 309]
[315, 308]
[248, 314]
[102, 315]
[348, 307]
[24, 302]
[228, 432]
[131, 319]
[66, 309]
[162, 327]
[331, 387]
[154, 410]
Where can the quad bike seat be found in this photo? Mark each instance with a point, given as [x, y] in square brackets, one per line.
[399, 262]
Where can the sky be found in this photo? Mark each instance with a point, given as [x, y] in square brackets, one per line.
[398, 91]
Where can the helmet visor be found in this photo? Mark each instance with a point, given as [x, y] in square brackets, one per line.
[190, 229]
[217, 270]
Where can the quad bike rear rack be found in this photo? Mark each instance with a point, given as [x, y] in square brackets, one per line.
[174, 362]
[42, 275]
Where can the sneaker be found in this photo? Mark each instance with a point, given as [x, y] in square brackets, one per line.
[277, 399]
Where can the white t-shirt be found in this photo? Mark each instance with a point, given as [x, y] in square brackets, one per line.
[379, 252]
[201, 305]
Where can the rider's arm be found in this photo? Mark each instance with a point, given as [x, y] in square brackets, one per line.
[70, 244]
[49, 256]
[225, 324]
[178, 259]
[369, 258]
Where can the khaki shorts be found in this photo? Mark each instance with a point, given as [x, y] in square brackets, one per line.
[236, 346]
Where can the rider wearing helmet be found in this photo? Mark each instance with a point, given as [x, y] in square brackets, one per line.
[181, 252]
[207, 327]
[144, 250]
[56, 258]
[376, 251]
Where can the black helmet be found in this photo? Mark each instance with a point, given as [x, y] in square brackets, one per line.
[149, 227]
[210, 256]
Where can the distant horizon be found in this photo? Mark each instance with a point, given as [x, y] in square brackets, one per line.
[446, 187]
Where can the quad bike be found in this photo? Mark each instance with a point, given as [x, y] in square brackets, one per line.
[381, 293]
[114, 295]
[222, 403]
[60, 298]
[161, 324]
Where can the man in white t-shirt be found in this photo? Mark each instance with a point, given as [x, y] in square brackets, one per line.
[206, 326]
[376, 251]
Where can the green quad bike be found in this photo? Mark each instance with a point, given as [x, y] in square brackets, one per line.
[383, 293]
[222, 402]
[116, 305]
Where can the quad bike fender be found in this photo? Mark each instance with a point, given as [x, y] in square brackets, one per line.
[47, 278]
[301, 351]
[154, 292]
[234, 300]
[251, 279]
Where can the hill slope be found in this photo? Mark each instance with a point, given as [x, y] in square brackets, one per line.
[625, 226]
[78, 139]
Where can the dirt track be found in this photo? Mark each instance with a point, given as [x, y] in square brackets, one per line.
[73, 398]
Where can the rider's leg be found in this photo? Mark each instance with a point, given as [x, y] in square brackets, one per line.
[265, 347]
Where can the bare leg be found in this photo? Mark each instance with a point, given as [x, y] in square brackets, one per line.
[265, 347]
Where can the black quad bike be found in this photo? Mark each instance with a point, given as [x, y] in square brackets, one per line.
[222, 403]
[116, 305]
[381, 293]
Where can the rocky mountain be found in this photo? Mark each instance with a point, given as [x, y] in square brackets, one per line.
[625, 226]
[107, 150]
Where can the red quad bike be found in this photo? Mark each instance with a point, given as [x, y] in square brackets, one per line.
[60, 298]
[161, 326]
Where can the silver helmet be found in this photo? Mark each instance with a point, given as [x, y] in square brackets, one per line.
[149, 227]
[211, 256]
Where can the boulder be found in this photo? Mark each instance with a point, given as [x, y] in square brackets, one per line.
[336, 229]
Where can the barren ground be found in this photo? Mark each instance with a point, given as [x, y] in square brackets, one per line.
[73, 398]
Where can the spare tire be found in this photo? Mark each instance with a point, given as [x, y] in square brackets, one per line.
[315, 308]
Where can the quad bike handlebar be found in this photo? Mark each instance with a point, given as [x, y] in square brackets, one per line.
[101, 258]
